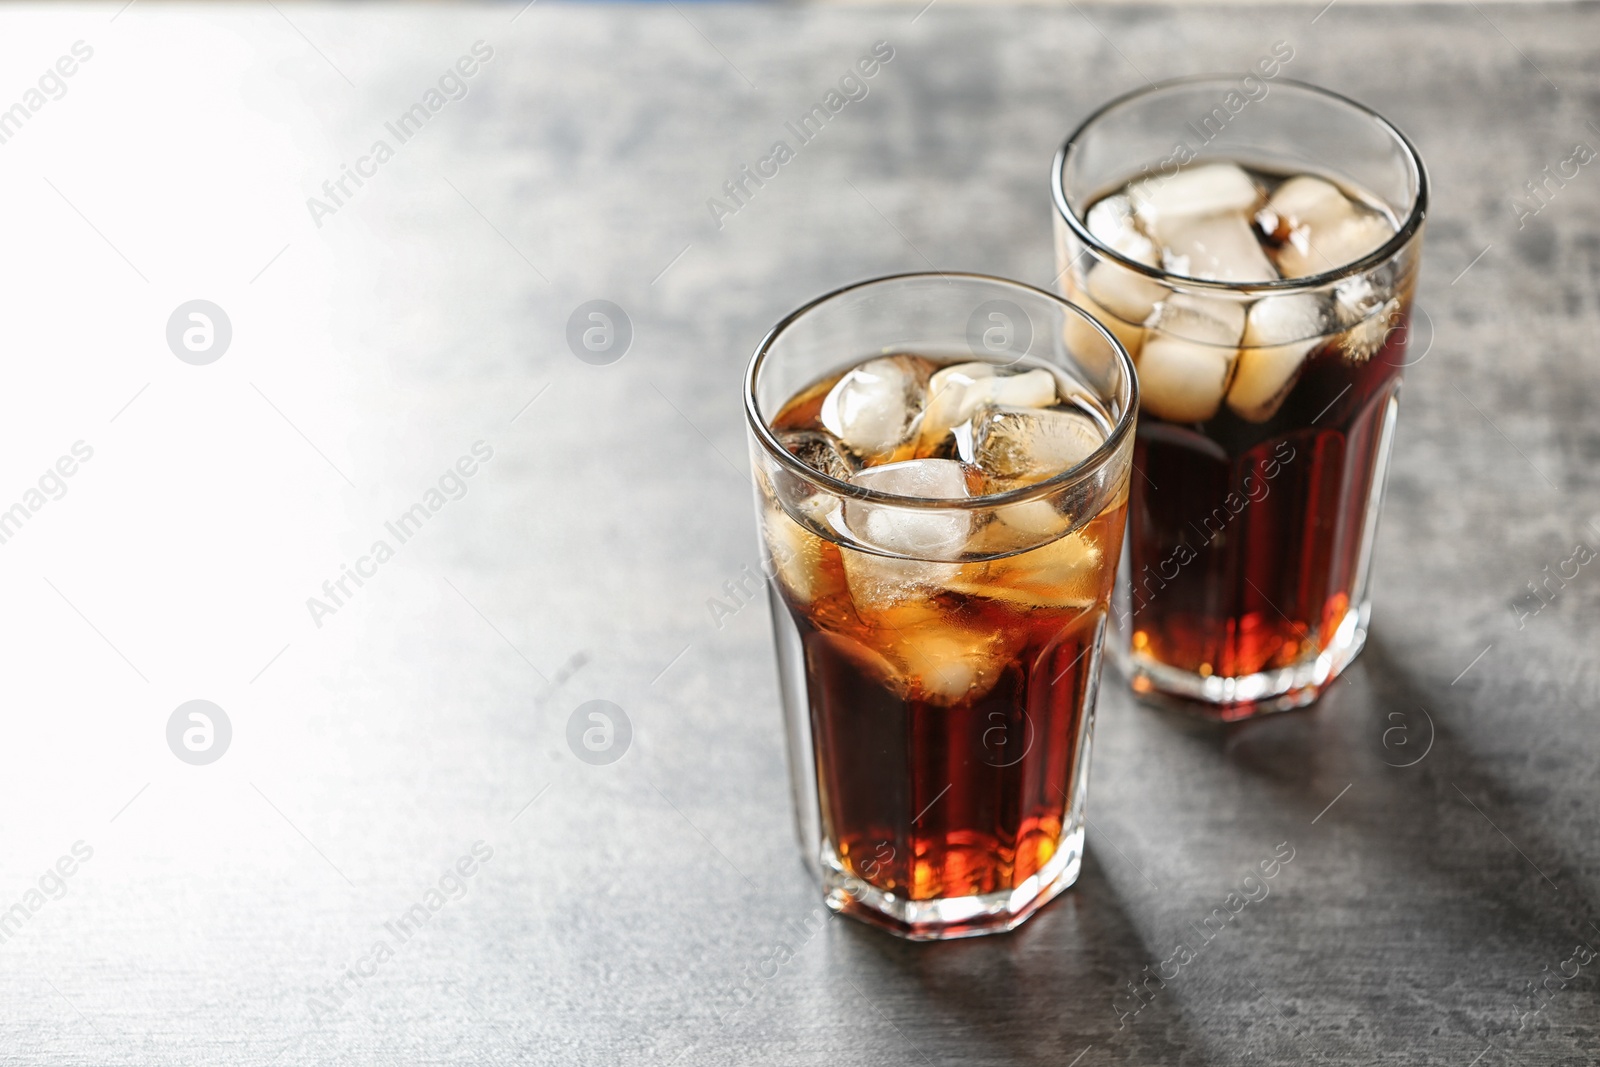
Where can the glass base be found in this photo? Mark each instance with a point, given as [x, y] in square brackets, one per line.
[1246, 696]
[947, 918]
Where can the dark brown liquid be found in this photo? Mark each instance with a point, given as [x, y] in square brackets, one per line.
[925, 792]
[932, 800]
[1246, 538]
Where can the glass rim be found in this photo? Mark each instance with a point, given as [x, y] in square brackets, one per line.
[1087, 468]
[1402, 236]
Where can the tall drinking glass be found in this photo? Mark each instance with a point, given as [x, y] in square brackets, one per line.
[942, 465]
[1255, 246]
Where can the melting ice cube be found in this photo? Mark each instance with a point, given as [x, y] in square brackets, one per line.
[1308, 201]
[1208, 189]
[1020, 446]
[927, 534]
[1188, 353]
[1278, 333]
[1121, 301]
[1317, 251]
[936, 533]
[1111, 220]
[936, 660]
[802, 562]
[1031, 520]
[872, 407]
[948, 404]
[1064, 572]
[1129, 296]
[955, 393]
[1221, 248]
[1321, 228]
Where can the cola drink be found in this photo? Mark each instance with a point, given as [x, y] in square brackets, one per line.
[1268, 312]
[942, 534]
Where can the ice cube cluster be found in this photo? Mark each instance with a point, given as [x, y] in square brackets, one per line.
[907, 426]
[881, 576]
[1215, 222]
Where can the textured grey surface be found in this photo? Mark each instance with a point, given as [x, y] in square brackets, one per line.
[632, 913]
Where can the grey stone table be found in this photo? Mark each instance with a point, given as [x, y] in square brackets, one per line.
[399, 859]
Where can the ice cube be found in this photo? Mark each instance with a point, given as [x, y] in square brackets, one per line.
[954, 393]
[1219, 248]
[1111, 221]
[804, 564]
[1278, 333]
[947, 398]
[1369, 314]
[1322, 229]
[943, 664]
[1020, 446]
[1188, 354]
[1208, 189]
[1280, 320]
[1355, 299]
[872, 407]
[920, 532]
[1065, 573]
[1308, 201]
[1363, 340]
[877, 583]
[1209, 320]
[1069, 567]
[820, 451]
[922, 651]
[1317, 250]
[1182, 381]
[1030, 521]
[1129, 296]
[1263, 380]
[956, 666]
[927, 535]
[1032, 389]
[1119, 300]
[1088, 347]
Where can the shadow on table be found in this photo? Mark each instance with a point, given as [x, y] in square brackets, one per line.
[1429, 807]
[1477, 905]
[1433, 769]
[1041, 994]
